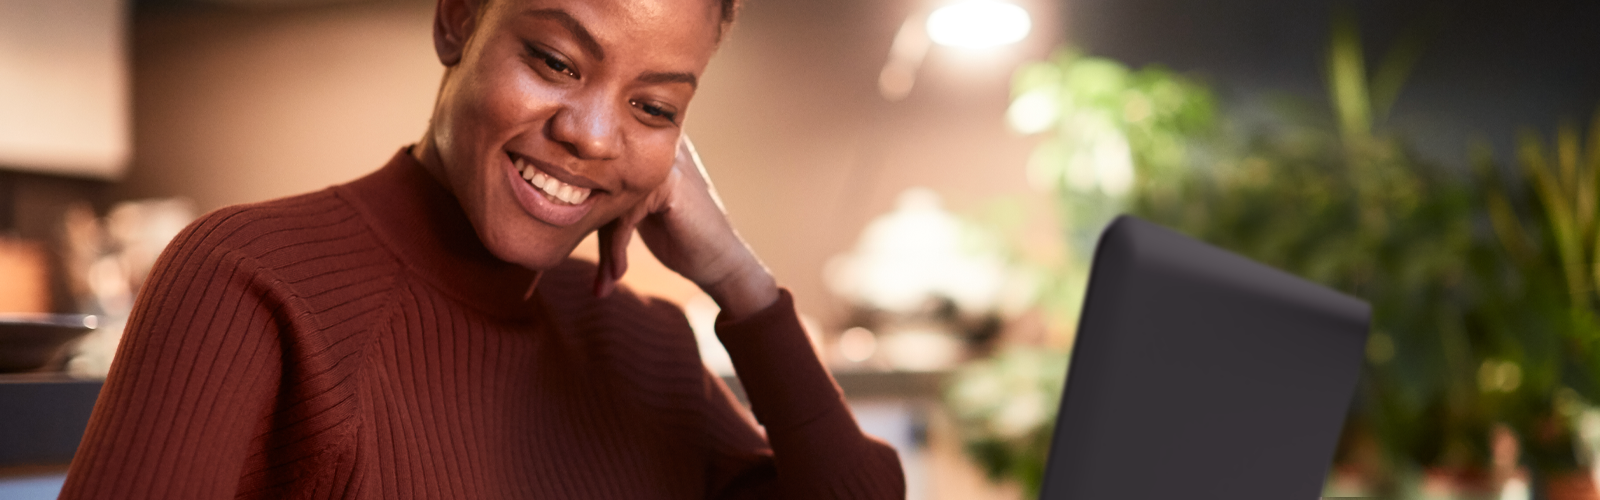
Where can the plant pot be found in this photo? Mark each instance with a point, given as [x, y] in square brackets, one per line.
[1458, 482]
[1575, 485]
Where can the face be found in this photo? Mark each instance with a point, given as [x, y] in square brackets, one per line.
[558, 116]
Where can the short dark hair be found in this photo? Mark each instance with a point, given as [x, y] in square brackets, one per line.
[729, 10]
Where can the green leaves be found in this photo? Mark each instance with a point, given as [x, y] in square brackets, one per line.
[1484, 287]
[1546, 224]
[1347, 78]
[1567, 194]
[1107, 132]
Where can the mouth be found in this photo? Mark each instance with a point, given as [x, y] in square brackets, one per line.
[557, 191]
[546, 198]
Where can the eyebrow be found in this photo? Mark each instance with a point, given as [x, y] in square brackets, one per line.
[593, 47]
[572, 25]
[669, 77]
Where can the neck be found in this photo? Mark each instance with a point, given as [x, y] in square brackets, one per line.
[426, 152]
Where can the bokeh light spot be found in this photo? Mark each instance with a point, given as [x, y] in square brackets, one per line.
[979, 24]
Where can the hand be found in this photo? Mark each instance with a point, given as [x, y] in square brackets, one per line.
[684, 226]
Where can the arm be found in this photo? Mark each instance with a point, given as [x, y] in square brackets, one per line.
[174, 417]
[818, 450]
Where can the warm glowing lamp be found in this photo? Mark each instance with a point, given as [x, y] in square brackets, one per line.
[978, 24]
[971, 24]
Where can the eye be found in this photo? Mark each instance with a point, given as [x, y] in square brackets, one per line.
[559, 66]
[550, 60]
[655, 111]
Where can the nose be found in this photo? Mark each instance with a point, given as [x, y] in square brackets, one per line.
[588, 128]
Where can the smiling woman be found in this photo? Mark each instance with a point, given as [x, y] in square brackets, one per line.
[422, 332]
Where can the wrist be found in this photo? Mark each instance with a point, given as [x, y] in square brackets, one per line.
[743, 292]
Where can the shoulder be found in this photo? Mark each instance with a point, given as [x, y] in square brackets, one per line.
[281, 233]
[264, 228]
[301, 245]
[295, 270]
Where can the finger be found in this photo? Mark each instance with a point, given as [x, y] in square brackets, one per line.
[614, 240]
[613, 257]
[695, 170]
[687, 151]
[620, 239]
[689, 159]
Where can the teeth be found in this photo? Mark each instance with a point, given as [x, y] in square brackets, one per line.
[560, 191]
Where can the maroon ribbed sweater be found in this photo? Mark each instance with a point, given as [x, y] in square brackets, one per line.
[360, 342]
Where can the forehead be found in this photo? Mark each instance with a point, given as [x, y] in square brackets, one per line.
[677, 29]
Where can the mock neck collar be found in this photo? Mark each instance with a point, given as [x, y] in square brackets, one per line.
[424, 225]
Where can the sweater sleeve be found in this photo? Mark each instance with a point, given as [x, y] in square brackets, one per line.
[818, 450]
[190, 378]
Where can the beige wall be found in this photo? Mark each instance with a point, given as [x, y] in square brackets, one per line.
[235, 106]
[243, 105]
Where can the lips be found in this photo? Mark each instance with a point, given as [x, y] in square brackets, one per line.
[550, 186]
[544, 197]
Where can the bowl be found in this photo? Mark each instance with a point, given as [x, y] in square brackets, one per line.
[31, 342]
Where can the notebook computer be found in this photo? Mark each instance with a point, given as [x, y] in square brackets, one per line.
[1198, 374]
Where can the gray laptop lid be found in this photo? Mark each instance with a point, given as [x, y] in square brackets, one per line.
[1198, 374]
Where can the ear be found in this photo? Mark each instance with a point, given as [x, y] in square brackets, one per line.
[453, 23]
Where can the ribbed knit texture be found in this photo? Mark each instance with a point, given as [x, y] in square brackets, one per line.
[359, 342]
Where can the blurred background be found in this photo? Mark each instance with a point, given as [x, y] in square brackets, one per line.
[929, 186]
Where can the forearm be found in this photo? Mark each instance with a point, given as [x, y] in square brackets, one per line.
[744, 292]
[818, 447]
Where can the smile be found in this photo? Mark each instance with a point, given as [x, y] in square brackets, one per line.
[556, 202]
[558, 191]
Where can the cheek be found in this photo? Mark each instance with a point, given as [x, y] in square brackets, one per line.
[656, 156]
[492, 111]
[500, 100]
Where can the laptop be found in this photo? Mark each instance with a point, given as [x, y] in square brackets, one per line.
[1201, 375]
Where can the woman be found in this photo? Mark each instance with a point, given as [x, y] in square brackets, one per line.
[421, 332]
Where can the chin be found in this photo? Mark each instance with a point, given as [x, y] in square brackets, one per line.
[527, 242]
[535, 252]
[516, 237]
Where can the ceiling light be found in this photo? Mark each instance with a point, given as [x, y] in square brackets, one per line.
[978, 24]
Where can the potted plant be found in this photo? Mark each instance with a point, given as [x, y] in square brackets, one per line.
[1542, 299]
